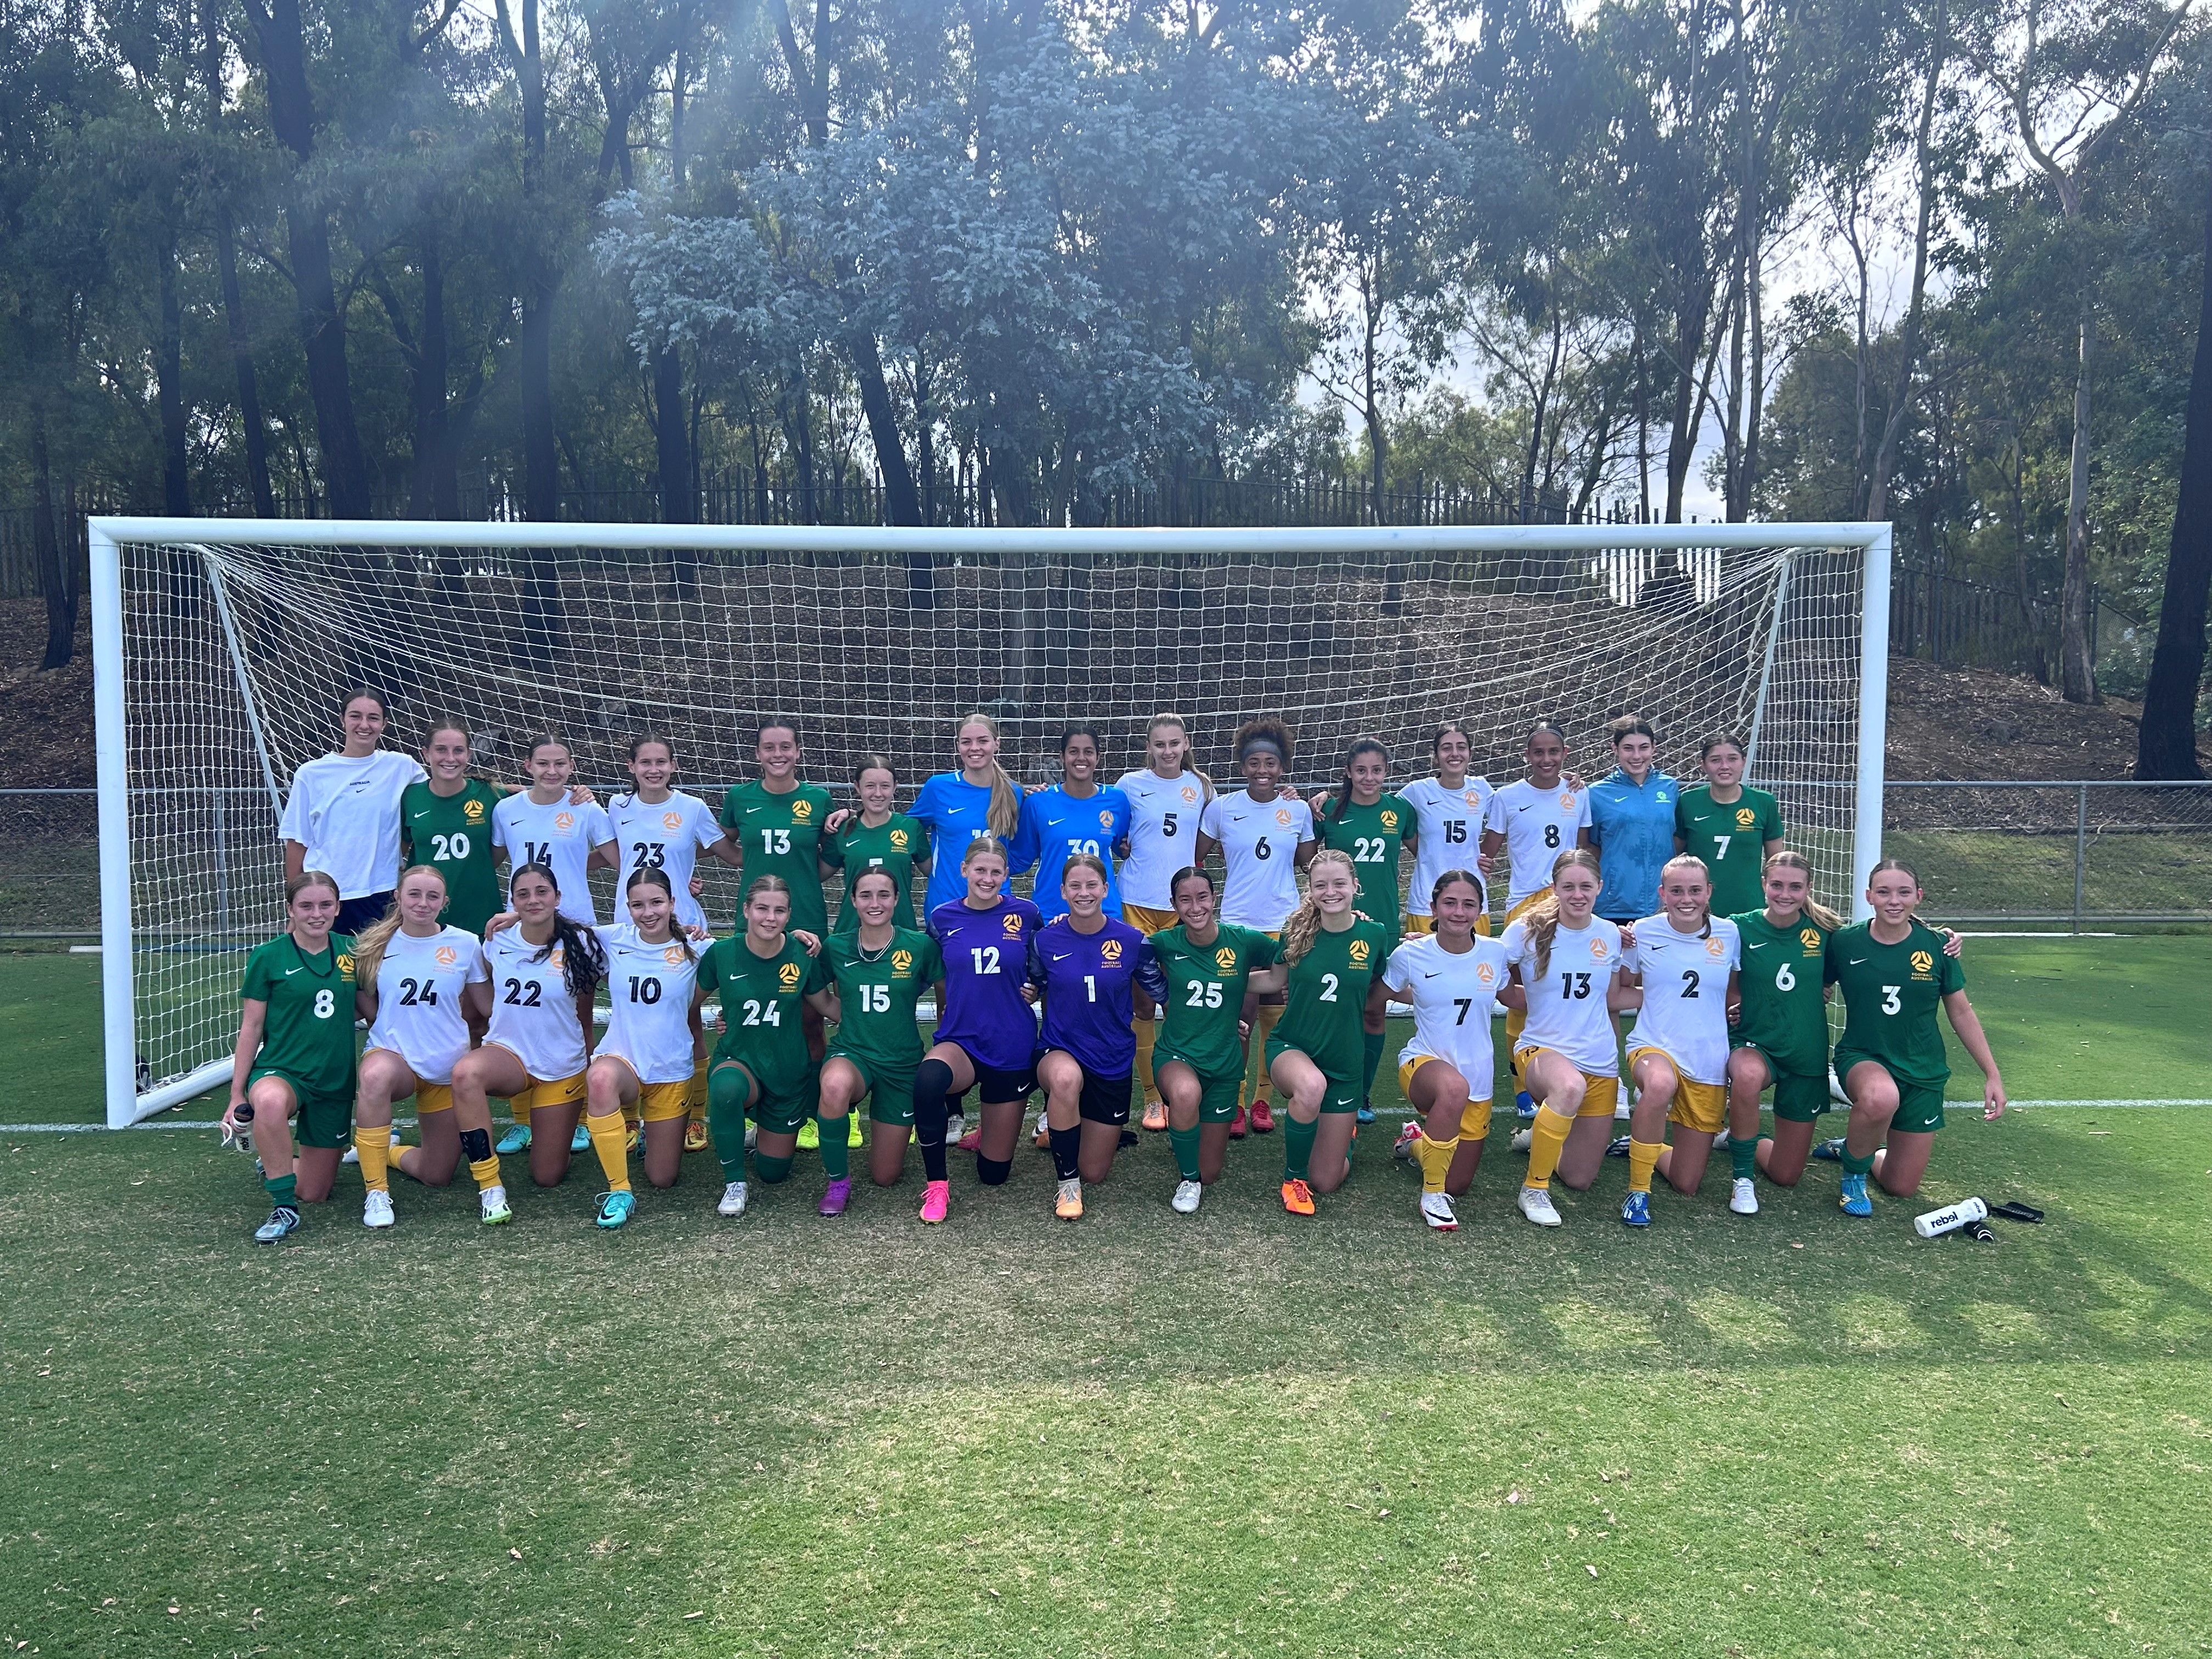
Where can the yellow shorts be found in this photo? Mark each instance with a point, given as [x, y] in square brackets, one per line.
[1416, 926]
[1701, 1106]
[1529, 903]
[657, 1102]
[552, 1091]
[433, 1097]
[1600, 1094]
[1474, 1118]
[1146, 919]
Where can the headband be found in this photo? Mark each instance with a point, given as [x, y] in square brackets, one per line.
[1256, 742]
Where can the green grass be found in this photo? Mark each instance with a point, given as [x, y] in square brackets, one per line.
[2001, 872]
[1232, 1433]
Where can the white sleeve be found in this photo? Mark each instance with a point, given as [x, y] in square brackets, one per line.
[479, 971]
[706, 829]
[1306, 823]
[601, 827]
[1582, 811]
[1398, 973]
[1493, 815]
[499, 825]
[293, 826]
[1209, 821]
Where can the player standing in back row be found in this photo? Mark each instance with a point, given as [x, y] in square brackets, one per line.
[1165, 799]
[1532, 820]
[1372, 827]
[1449, 809]
[1734, 828]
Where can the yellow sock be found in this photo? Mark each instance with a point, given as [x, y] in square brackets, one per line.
[1642, 1159]
[694, 1098]
[610, 1141]
[1546, 1140]
[1255, 1071]
[1148, 1033]
[1514, 1019]
[1435, 1157]
[373, 1144]
[486, 1170]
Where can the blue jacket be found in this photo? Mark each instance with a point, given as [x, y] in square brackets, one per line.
[1632, 828]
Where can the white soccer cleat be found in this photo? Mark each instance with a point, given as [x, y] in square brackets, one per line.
[734, 1199]
[376, 1210]
[1535, 1203]
[1524, 1139]
[492, 1207]
[1408, 1138]
[1436, 1210]
[1743, 1196]
[349, 1156]
[1187, 1195]
[752, 1134]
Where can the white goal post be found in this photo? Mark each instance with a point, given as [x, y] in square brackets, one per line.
[220, 647]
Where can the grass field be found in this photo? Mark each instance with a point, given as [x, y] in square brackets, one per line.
[1233, 1433]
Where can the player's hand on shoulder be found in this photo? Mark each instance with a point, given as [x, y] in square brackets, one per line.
[838, 819]
[1954, 942]
[810, 943]
[580, 794]
[500, 923]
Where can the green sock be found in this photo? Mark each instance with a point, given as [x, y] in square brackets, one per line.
[771, 1170]
[725, 1118]
[1297, 1146]
[1185, 1143]
[1853, 1165]
[284, 1190]
[1744, 1155]
[834, 1131]
[1373, 1053]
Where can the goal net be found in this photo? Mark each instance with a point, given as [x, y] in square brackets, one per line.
[222, 647]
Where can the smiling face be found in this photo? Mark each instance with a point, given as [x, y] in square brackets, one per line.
[651, 765]
[1686, 894]
[1634, 751]
[1786, 887]
[875, 896]
[551, 766]
[1577, 887]
[877, 788]
[766, 913]
[1367, 771]
[422, 895]
[535, 898]
[1166, 746]
[1078, 758]
[1453, 756]
[978, 745]
[446, 756]
[986, 870]
[777, 751]
[1263, 772]
[1334, 887]
[1546, 758]
[312, 909]
[651, 908]
[1893, 894]
[1193, 902]
[1083, 889]
[362, 722]
[1724, 765]
[1457, 908]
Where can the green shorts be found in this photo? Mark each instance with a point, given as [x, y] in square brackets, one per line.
[1342, 1095]
[1919, 1104]
[890, 1093]
[323, 1120]
[777, 1112]
[1797, 1098]
[1217, 1091]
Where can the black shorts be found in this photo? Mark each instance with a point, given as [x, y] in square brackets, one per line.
[997, 1086]
[356, 913]
[1105, 1099]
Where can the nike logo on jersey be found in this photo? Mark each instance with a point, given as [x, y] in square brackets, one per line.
[1754, 945]
[1858, 962]
[289, 972]
[1427, 976]
[1524, 806]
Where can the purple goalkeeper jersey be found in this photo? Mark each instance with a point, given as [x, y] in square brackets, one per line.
[986, 965]
[1085, 978]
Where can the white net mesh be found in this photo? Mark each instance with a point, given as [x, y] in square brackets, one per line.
[884, 653]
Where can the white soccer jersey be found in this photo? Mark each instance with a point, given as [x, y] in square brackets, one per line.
[419, 1015]
[664, 836]
[1566, 1001]
[1454, 998]
[1538, 825]
[1451, 824]
[559, 836]
[1164, 823]
[1685, 981]
[649, 1003]
[345, 812]
[534, 1017]
[1259, 843]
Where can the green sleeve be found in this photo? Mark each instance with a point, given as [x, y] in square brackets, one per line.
[729, 815]
[819, 974]
[1952, 969]
[1682, 815]
[1265, 952]
[931, 961]
[1772, 829]
[257, 985]
[1831, 960]
[710, 976]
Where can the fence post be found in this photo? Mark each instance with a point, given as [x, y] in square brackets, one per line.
[2081, 847]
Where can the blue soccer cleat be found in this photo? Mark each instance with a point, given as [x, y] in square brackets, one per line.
[1637, 1211]
[1366, 1113]
[1524, 1105]
[516, 1139]
[1830, 1150]
[1853, 1196]
[614, 1208]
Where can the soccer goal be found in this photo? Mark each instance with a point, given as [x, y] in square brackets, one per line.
[220, 648]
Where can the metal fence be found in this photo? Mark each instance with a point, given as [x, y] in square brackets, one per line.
[1948, 618]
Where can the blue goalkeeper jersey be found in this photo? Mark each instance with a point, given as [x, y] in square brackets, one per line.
[1055, 827]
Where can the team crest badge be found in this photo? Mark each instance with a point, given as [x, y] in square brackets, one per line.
[1745, 817]
[564, 824]
[1485, 974]
[1013, 925]
[1715, 949]
[1473, 797]
[898, 839]
[1597, 950]
[448, 956]
[1282, 815]
[345, 965]
[472, 810]
[672, 955]
[788, 975]
[554, 961]
[1359, 950]
[1810, 938]
[1105, 819]
[902, 962]
[1189, 794]
[802, 810]
[1110, 950]
[671, 821]
[1225, 960]
[1922, 961]
[1567, 801]
[1390, 820]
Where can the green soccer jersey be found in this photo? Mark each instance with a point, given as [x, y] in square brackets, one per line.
[782, 835]
[1371, 837]
[1731, 840]
[1891, 992]
[1328, 1001]
[454, 832]
[876, 995]
[1205, 992]
[308, 1034]
[761, 998]
[891, 846]
[1785, 994]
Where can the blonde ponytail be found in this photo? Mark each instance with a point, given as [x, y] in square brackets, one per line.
[371, 943]
[1543, 918]
[1005, 813]
[1304, 925]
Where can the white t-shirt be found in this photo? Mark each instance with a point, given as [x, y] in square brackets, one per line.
[1538, 825]
[419, 1016]
[668, 836]
[1685, 981]
[649, 1003]
[1451, 824]
[534, 1017]
[1164, 823]
[560, 836]
[1260, 842]
[1566, 1002]
[345, 812]
[1454, 998]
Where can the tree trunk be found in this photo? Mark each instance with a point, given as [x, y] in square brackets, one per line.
[543, 623]
[169, 388]
[1908, 350]
[251, 424]
[2167, 747]
[2077, 673]
[1682, 430]
[46, 545]
[437, 484]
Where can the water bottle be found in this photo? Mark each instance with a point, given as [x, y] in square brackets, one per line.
[1937, 1223]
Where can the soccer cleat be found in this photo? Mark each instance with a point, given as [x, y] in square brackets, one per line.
[836, 1197]
[1067, 1203]
[935, 1199]
[582, 1141]
[971, 1142]
[809, 1136]
[752, 1134]
[1624, 1105]
[1743, 1196]
[352, 1156]
[853, 1136]
[1128, 1138]
[491, 1208]
[1721, 1141]
[1238, 1126]
[734, 1199]
[284, 1221]
[631, 1141]
[1186, 1194]
[1522, 1140]
[1042, 1138]
[1408, 1138]
[1297, 1197]
[1617, 1147]
[1535, 1203]
[1156, 1114]
[614, 1208]
[1365, 1114]
[1853, 1196]
[1636, 1210]
[516, 1139]
[1524, 1106]
[1436, 1210]
[1263, 1118]
[695, 1137]
[956, 1126]
[1830, 1150]
[376, 1210]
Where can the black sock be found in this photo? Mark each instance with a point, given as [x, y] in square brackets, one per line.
[932, 1080]
[993, 1172]
[1065, 1143]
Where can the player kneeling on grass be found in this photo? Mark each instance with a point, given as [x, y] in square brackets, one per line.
[880, 970]
[1207, 966]
[1567, 960]
[423, 991]
[1083, 967]
[1894, 974]
[544, 969]
[1333, 959]
[1455, 979]
[1684, 964]
[295, 1052]
[767, 976]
